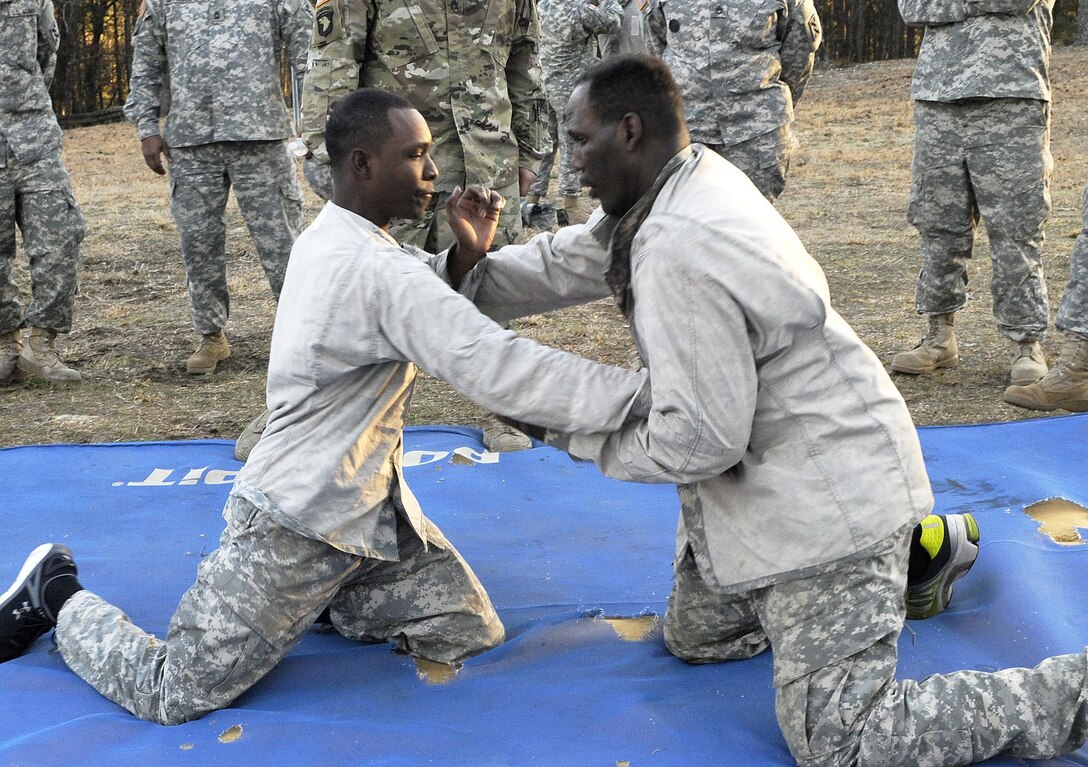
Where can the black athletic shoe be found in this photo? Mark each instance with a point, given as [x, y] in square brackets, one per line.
[23, 613]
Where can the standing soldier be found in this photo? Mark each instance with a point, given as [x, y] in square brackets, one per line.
[35, 195]
[472, 69]
[743, 65]
[568, 47]
[981, 95]
[212, 69]
[1065, 385]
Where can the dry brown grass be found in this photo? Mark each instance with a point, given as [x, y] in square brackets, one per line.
[846, 198]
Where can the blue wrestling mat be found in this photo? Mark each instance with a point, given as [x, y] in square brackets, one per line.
[561, 550]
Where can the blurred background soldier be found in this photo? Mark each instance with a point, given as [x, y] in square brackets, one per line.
[642, 30]
[212, 69]
[1065, 385]
[743, 65]
[568, 47]
[35, 195]
[981, 95]
[472, 70]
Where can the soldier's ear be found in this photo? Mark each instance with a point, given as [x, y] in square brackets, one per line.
[362, 162]
[630, 130]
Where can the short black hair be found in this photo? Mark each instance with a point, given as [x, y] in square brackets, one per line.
[360, 119]
[640, 84]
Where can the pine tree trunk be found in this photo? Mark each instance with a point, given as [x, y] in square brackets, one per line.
[1082, 23]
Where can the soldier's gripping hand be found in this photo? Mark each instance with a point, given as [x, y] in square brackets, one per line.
[154, 149]
[474, 217]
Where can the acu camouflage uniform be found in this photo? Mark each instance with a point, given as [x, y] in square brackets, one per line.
[568, 47]
[471, 69]
[35, 189]
[212, 69]
[642, 30]
[981, 95]
[742, 66]
[1073, 312]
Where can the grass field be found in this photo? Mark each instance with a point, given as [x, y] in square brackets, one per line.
[846, 198]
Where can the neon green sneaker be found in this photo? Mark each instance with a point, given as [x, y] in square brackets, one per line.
[950, 542]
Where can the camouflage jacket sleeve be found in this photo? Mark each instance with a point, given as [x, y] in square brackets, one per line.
[659, 28]
[48, 41]
[932, 12]
[337, 52]
[296, 18]
[148, 72]
[529, 120]
[601, 19]
[799, 45]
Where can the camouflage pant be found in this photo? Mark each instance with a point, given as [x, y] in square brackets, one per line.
[253, 599]
[432, 232]
[1073, 312]
[570, 182]
[765, 159]
[37, 198]
[837, 699]
[266, 186]
[988, 158]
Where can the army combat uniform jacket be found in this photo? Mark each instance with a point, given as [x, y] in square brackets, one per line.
[742, 64]
[212, 69]
[470, 67]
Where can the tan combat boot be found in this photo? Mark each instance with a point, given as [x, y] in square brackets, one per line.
[40, 358]
[503, 438]
[213, 349]
[11, 346]
[936, 350]
[1065, 386]
[1028, 362]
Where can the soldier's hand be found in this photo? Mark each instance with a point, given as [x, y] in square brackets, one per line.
[528, 429]
[526, 177]
[154, 149]
[474, 216]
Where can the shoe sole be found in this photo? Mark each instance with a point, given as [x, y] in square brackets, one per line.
[1073, 406]
[36, 558]
[966, 556]
[923, 371]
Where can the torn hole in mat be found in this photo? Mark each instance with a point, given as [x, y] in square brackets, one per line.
[434, 673]
[1060, 520]
[637, 629]
[231, 735]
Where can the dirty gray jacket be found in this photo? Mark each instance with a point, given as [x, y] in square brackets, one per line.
[212, 69]
[793, 450]
[742, 64]
[356, 315]
[981, 48]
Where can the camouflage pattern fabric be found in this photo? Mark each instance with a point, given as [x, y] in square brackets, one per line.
[834, 638]
[212, 69]
[742, 65]
[988, 158]
[568, 47]
[1073, 312]
[35, 190]
[981, 48]
[253, 599]
[470, 68]
[764, 159]
[642, 30]
[266, 186]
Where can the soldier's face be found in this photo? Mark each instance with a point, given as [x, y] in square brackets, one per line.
[404, 170]
[597, 154]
